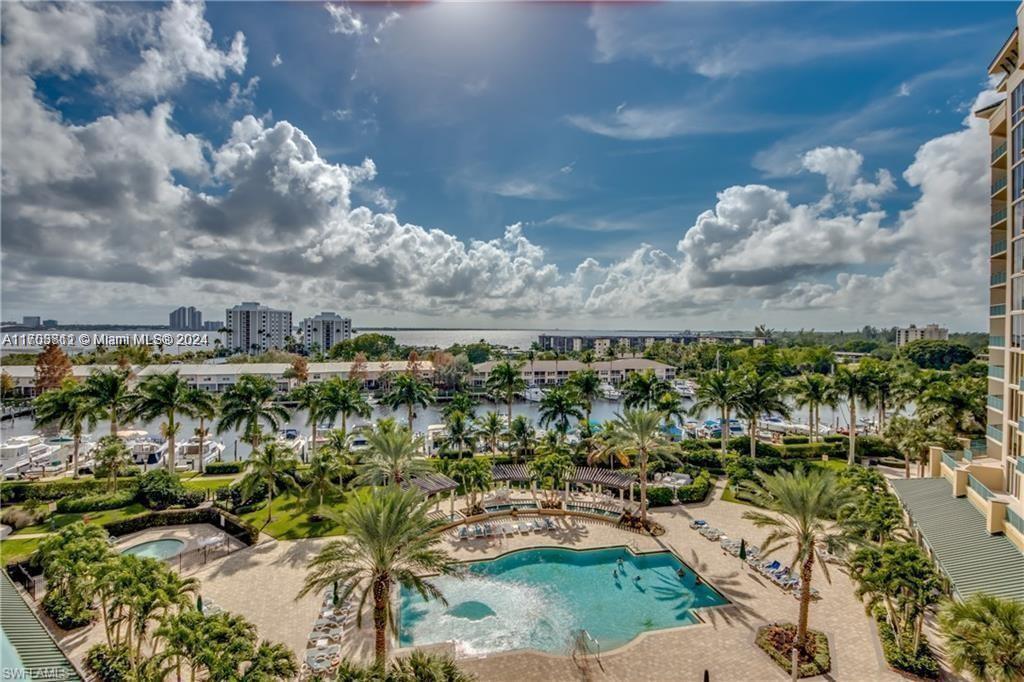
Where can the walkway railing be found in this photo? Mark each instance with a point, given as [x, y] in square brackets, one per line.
[1015, 519]
[979, 487]
[950, 459]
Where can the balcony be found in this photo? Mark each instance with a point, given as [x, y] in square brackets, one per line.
[998, 152]
[998, 186]
[998, 341]
[998, 247]
[951, 458]
[996, 372]
[1015, 520]
[979, 487]
[997, 310]
[995, 433]
[997, 278]
[998, 216]
[995, 401]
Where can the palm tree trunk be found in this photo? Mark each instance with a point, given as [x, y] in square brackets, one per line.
[753, 435]
[810, 422]
[344, 422]
[381, 595]
[202, 435]
[410, 418]
[312, 443]
[509, 397]
[853, 432]
[805, 599]
[918, 623]
[725, 429]
[74, 455]
[906, 464]
[816, 419]
[270, 502]
[170, 441]
[643, 488]
[113, 422]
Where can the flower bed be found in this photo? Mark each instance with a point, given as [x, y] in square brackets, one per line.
[777, 640]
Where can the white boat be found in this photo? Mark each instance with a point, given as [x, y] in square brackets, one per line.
[609, 392]
[188, 453]
[146, 450]
[533, 394]
[293, 440]
[20, 454]
[685, 387]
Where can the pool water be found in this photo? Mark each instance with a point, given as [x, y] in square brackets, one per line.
[157, 549]
[538, 599]
[11, 667]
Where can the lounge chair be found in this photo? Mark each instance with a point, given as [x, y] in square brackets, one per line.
[550, 522]
[698, 523]
[768, 568]
[463, 533]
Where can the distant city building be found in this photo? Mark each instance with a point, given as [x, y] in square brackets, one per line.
[325, 330]
[633, 343]
[932, 332]
[50, 323]
[213, 325]
[254, 328]
[32, 321]
[186, 318]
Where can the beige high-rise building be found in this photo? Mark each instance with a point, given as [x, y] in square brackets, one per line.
[967, 509]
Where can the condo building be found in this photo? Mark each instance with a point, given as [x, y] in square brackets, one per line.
[186, 318]
[324, 330]
[253, 328]
[967, 510]
[931, 332]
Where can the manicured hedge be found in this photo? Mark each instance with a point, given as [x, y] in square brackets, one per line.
[178, 517]
[47, 491]
[698, 490]
[89, 503]
[923, 664]
[771, 637]
[795, 440]
[812, 450]
[660, 496]
[705, 459]
[214, 468]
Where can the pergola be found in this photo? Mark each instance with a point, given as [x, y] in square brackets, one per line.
[515, 473]
[606, 478]
[435, 484]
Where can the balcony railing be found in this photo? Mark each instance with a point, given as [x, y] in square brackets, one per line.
[999, 247]
[995, 401]
[995, 433]
[998, 185]
[978, 444]
[998, 216]
[998, 151]
[1015, 519]
[997, 372]
[979, 487]
[968, 455]
[997, 341]
[951, 458]
[998, 278]
[996, 310]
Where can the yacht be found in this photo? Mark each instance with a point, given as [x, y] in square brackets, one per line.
[146, 450]
[609, 392]
[685, 387]
[293, 440]
[20, 454]
[533, 394]
[189, 452]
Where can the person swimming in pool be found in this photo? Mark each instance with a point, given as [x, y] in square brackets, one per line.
[615, 573]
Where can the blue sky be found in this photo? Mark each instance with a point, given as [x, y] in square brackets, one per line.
[604, 135]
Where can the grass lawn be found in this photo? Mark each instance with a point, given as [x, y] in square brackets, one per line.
[12, 549]
[835, 465]
[729, 495]
[204, 483]
[292, 518]
[61, 520]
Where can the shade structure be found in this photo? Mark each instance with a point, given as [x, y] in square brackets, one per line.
[431, 484]
[603, 477]
[516, 473]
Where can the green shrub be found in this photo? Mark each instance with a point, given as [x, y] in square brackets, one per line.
[923, 663]
[215, 468]
[705, 459]
[126, 472]
[837, 438]
[795, 440]
[59, 607]
[660, 496]
[742, 468]
[777, 642]
[812, 450]
[160, 489]
[696, 491]
[111, 664]
[89, 503]
[875, 446]
[741, 445]
[19, 491]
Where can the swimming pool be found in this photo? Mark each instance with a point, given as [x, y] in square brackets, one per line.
[538, 599]
[11, 667]
[157, 549]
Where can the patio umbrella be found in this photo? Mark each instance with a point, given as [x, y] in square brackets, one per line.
[707, 676]
[743, 549]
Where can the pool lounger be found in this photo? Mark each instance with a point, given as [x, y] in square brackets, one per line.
[698, 523]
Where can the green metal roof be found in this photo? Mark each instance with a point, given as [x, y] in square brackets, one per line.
[974, 560]
[40, 656]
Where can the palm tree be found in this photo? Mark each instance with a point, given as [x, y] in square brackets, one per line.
[912, 436]
[461, 402]
[520, 436]
[506, 379]
[310, 397]
[407, 389]
[108, 391]
[637, 434]
[671, 407]
[883, 379]
[113, 456]
[474, 475]
[491, 427]
[271, 661]
[985, 637]
[344, 397]
[811, 390]
[551, 468]
[588, 386]
[851, 385]
[391, 456]
[248, 404]
[758, 394]
[423, 665]
[202, 405]
[643, 389]
[959, 404]
[459, 434]
[802, 506]
[324, 468]
[273, 465]
[165, 395]
[717, 389]
[559, 405]
[389, 542]
[70, 409]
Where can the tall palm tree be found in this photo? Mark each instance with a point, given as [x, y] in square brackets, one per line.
[247, 405]
[474, 475]
[636, 435]
[345, 397]
[166, 395]
[324, 469]
[643, 389]
[310, 397]
[717, 389]
[882, 378]
[389, 542]
[506, 379]
[108, 391]
[113, 456]
[491, 427]
[274, 466]
[460, 402]
[201, 405]
[391, 456]
[985, 637]
[760, 394]
[959, 404]
[520, 436]
[409, 390]
[588, 386]
[70, 409]
[811, 390]
[911, 436]
[800, 509]
[851, 385]
[459, 434]
[271, 661]
[671, 407]
[558, 405]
